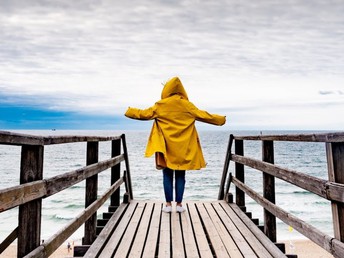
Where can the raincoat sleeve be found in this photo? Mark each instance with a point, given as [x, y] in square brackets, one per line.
[141, 114]
[204, 116]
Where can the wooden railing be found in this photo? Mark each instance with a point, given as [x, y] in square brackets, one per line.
[33, 188]
[331, 189]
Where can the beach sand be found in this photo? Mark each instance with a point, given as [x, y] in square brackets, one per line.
[306, 249]
[303, 249]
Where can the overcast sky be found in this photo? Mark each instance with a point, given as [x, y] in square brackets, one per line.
[264, 64]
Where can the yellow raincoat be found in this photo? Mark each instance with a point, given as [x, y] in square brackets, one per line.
[174, 132]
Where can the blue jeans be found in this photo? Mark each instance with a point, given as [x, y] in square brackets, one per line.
[168, 184]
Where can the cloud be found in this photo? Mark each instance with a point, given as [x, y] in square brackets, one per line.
[100, 57]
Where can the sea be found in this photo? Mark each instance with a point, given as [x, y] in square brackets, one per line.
[58, 210]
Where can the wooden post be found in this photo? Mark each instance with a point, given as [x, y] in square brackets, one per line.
[222, 191]
[115, 172]
[29, 224]
[269, 191]
[239, 174]
[335, 163]
[127, 172]
[91, 193]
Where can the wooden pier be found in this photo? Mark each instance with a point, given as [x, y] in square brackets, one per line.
[134, 228]
[205, 229]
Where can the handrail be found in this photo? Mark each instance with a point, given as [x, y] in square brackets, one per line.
[33, 188]
[331, 189]
[11, 138]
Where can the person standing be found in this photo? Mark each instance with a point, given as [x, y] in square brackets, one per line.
[174, 138]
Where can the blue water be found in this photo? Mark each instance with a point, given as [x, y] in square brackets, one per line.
[59, 209]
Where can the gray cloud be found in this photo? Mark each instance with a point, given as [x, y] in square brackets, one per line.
[106, 51]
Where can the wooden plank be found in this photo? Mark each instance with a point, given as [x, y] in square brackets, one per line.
[201, 240]
[226, 238]
[140, 239]
[10, 138]
[309, 183]
[239, 172]
[246, 241]
[321, 137]
[218, 246]
[270, 227]
[107, 231]
[116, 236]
[91, 194]
[49, 140]
[29, 225]
[165, 236]
[177, 237]
[62, 235]
[335, 161]
[58, 183]
[255, 237]
[152, 237]
[127, 167]
[225, 169]
[130, 233]
[20, 194]
[301, 226]
[116, 172]
[238, 238]
[188, 235]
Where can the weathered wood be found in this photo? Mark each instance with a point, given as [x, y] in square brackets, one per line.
[323, 188]
[79, 251]
[269, 191]
[107, 231]
[127, 167]
[17, 195]
[50, 245]
[9, 240]
[49, 140]
[152, 236]
[177, 243]
[239, 173]
[91, 193]
[165, 236]
[214, 237]
[200, 237]
[116, 237]
[309, 183]
[135, 233]
[335, 161]
[140, 239]
[29, 226]
[252, 233]
[243, 238]
[225, 170]
[130, 232]
[58, 183]
[115, 171]
[226, 239]
[11, 138]
[301, 226]
[321, 137]
[188, 236]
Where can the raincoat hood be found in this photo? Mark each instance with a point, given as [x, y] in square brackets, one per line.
[172, 87]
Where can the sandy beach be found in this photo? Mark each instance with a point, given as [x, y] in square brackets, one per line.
[303, 249]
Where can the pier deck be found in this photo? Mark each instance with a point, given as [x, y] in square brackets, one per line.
[205, 229]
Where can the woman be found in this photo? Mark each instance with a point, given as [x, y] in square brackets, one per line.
[174, 136]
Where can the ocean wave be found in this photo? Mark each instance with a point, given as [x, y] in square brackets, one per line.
[60, 217]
